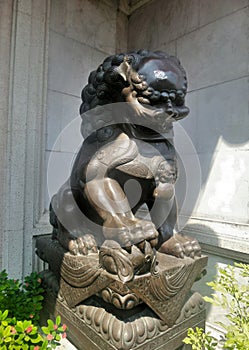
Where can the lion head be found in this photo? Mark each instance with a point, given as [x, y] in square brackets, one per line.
[153, 83]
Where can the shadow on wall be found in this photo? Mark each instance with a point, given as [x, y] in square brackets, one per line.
[218, 126]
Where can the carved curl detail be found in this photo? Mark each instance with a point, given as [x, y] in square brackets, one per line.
[128, 335]
[123, 302]
[116, 260]
[123, 335]
[82, 277]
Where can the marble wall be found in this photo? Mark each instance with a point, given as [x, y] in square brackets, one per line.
[5, 32]
[23, 74]
[47, 49]
[82, 35]
[211, 40]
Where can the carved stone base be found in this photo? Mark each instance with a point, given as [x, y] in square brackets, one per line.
[121, 311]
[163, 290]
[92, 327]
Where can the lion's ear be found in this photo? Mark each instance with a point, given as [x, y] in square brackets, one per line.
[123, 69]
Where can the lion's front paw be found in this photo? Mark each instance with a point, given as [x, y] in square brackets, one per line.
[149, 233]
[180, 246]
[133, 232]
[82, 245]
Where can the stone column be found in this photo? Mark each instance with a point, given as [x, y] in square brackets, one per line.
[23, 78]
[6, 12]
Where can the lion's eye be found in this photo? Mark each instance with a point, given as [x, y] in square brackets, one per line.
[180, 94]
[164, 96]
[172, 96]
[155, 97]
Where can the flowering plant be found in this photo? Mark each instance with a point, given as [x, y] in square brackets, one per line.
[24, 335]
[20, 305]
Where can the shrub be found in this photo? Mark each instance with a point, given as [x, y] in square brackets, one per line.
[20, 305]
[234, 298]
[23, 335]
[22, 300]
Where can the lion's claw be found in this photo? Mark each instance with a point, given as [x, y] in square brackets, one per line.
[181, 246]
[82, 245]
[134, 231]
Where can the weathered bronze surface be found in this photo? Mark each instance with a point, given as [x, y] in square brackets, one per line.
[164, 288]
[125, 277]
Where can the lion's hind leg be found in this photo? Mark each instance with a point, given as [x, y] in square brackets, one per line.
[68, 221]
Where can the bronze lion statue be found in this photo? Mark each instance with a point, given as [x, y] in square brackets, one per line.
[127, 160]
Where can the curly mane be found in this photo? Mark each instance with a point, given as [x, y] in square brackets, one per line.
[105, 84]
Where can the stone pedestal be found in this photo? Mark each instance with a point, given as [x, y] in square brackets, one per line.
[148, 311]
[94, 328]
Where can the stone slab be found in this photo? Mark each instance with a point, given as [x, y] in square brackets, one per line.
[92, 23]
[212, 10]
[212, 54]
[87, 330]
[70, 62]
[61, 110]
[167, 20]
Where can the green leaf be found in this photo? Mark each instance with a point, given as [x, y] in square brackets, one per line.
[36, 340]
[6, 331]
[7, 340]
[50, 325]
[208, 299]
[45, 330]
[58, 320]
[187, 340]
[4, 314]
[57, 337]
[44, 345]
